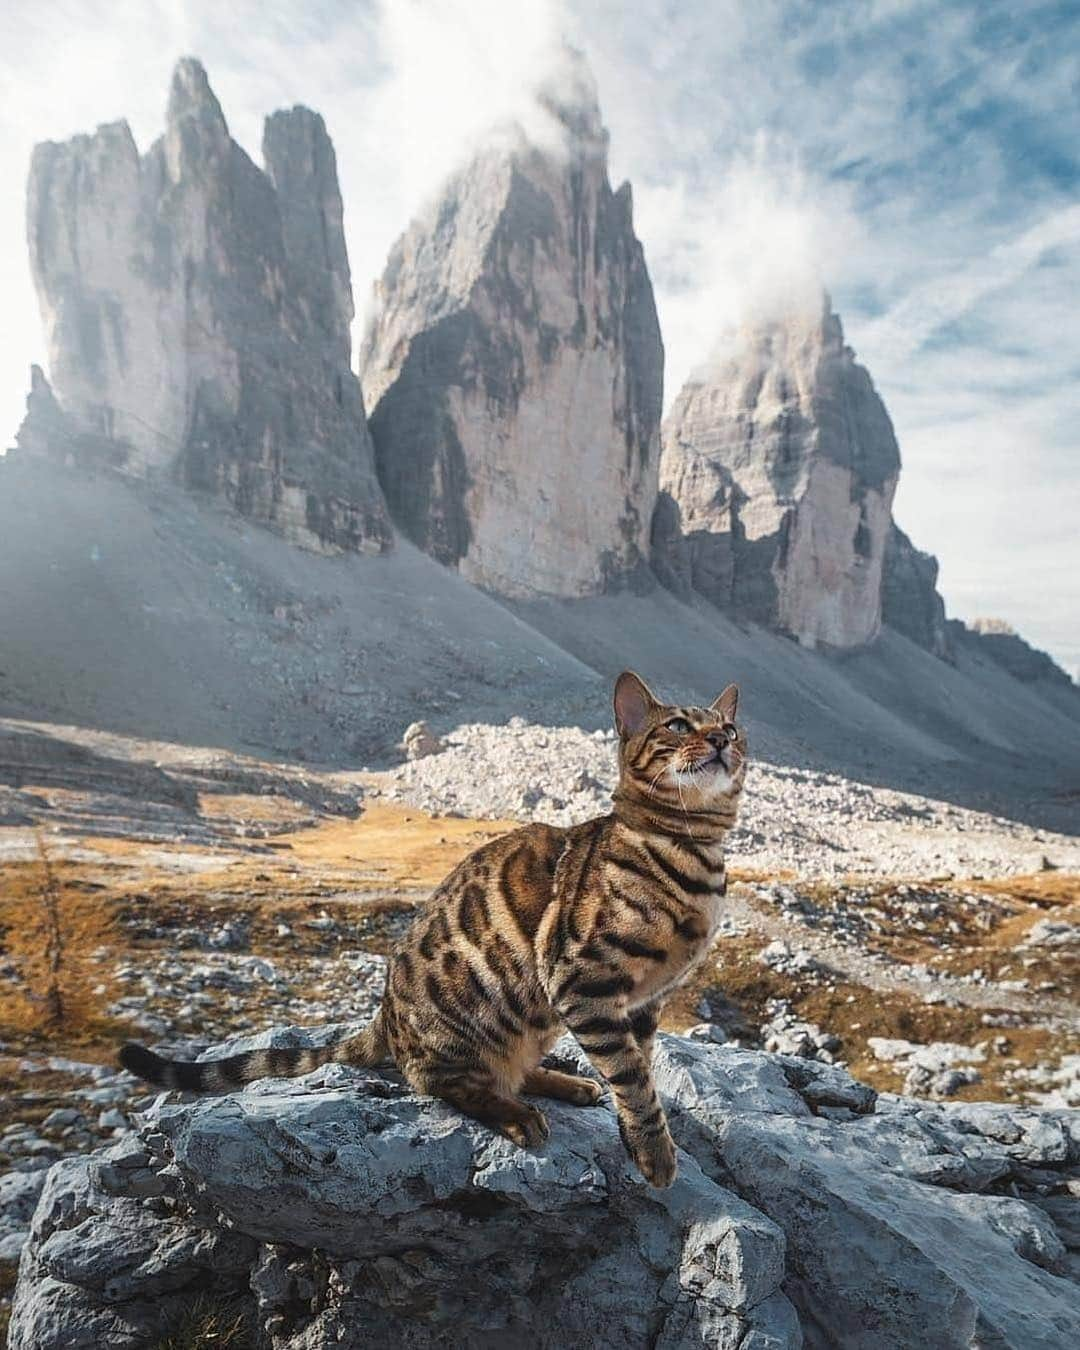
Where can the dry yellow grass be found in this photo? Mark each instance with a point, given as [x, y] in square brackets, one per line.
[212, 1324]
[55, 935]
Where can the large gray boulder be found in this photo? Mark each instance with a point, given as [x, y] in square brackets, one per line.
[903, 1225]
[777, 478]
[196, 313]
[348, 1212]
[513, 365]
[342, 1210]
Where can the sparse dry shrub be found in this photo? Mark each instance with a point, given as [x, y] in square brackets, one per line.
[8, 1273]
[52, 935]
[224, 1324]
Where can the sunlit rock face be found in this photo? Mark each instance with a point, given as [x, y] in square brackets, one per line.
[513, 365]
[777, 478]
[197, 308]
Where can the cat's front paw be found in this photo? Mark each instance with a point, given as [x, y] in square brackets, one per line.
[528, 1129]
[656, 1161]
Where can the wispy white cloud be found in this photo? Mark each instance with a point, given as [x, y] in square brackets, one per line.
[761, 238]
[950, 294]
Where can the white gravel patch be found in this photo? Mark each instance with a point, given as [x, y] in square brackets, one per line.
[791, 819]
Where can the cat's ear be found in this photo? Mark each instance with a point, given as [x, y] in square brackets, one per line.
[727, 704]
[633, 703]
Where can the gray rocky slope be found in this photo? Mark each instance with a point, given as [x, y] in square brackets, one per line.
[144, 611]
[342, 1210]
[811, 824]
[196, 312]
[513, 366]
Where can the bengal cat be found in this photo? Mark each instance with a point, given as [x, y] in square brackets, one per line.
[588, 928]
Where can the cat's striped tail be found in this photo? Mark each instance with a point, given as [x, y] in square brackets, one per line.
[366, 1048]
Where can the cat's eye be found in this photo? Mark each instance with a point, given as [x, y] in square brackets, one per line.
[679, 725]
[731, 731]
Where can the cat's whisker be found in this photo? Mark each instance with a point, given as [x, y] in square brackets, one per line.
[686, 813]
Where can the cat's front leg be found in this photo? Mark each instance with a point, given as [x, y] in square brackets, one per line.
[643, 1023]
[605, 1031]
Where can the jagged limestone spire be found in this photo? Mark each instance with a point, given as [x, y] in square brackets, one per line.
[513, 367]
[777, 478]
[197, 319]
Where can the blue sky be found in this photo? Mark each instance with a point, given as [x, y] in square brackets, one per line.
[920, 159]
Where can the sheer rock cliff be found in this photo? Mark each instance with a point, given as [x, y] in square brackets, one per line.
[196, 311]
[513, 365]
[910, 601]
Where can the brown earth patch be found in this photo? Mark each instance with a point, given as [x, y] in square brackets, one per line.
[855, 1011]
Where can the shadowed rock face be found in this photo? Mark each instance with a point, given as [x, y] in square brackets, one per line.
[48, 430]
[912, 604]
[197, 313]
[910, 601]
[779, 466]
[998, 640]
[513, 369]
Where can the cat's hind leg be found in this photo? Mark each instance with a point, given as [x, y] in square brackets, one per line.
[562, 1087]
[473, 1090]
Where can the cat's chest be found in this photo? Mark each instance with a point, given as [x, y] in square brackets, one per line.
[687, 947]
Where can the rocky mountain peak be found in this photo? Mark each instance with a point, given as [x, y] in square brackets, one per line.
[792, 373]
[301, 163]
[197, 312]
[513, 366]
[195, 126]
[190, 97]
[778, 473]
[569, 93]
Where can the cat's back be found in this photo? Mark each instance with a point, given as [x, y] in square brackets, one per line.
[508, 878]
